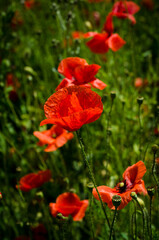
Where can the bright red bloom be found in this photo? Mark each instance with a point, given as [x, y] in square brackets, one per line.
[73, 107]
[69, 204]
[125, 9]
[101, 42]
[78, 72]
[29, 4]
[34, 180]
[55, 137]
[132, 182]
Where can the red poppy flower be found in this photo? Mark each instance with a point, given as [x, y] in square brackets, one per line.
[73, 107]
[101, 42]
[125, 9]
[78, 72]
[55, 137]
[132, 182]
[17, 20]
[29, 4]
[34, 180]
[69, 204]
[12, 81]
[139, 82]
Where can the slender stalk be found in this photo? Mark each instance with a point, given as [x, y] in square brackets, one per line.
[140, 132]
[143, 218]
[91, 174]
[153, 171]
[111, 230]
[150, 218]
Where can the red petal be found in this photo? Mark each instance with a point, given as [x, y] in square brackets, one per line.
[98, 43]
[53, 209]
[81, 212]
[64, 83]
[134, 173]
[44, 139]
[132, 7]
[108, 26]
[85, 74]
[98, 84]
[51, 148]
[115, 42]
[67, 66]
[106, 194]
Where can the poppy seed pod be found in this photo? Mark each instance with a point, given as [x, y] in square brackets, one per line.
[151, 191]
[116, 200]
[155, 148]
[140, 100]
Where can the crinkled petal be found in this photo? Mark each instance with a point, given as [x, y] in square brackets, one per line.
[98, 43]
[98, 84]
[115, 42]
[44, 139]
[65, 83]
[81, 213]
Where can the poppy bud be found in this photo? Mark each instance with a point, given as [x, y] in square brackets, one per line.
[133, 195]
[113, 95]
[155, 148]
[72, 190]
[39, 195]
[141, 202]
[151, 191]
[61, 217]
[140, 100]
[116, 200]
[90, 185]
[88, 24]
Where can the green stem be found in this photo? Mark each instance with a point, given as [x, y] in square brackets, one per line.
[143, 218]
[91, 174]
[140, 132]
[111, 230]
[153, 171]
[150, 218]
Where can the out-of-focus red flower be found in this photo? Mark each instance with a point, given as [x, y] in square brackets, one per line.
[139, 82]
[125, 9]
[11, 80]
[29, 4]
[78, 72]
[55, 137]
[101, 42]
[156, 131]
[22, 238]
[69, 204]
[1, 196]
[96, 16]
[39, 232]
[149, 4]
[34, 180]
[132, 182]
[17, 20]
[72, 107]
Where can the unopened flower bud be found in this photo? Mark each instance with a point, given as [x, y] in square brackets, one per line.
[61, 217]
[90, 185]
[141, 202]
[155, 148]
[133, 195]
[116, 200]
[151, 191]
[140, 100]
[113, 95]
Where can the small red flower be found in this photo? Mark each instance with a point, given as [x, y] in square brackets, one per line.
[69, 204]
[139, 82]
[125, 9]
[39, 232]
[101, 42]
[12, 81]
[55, 137]
[73, 107]
[78, 72]
[29, 4]
[34, 180]
[132, 182]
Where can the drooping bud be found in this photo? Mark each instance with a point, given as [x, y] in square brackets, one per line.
[155, 148]
[116, 200]
[151, 191]
[133, 195]
[141, 202]
[140, 100]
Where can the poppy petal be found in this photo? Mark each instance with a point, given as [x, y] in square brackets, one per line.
[132, 7]
[64, 83]
[115, 42]
[81, 213]
[44, 139]
[108, 26]
[98, 43]
[98, 84]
